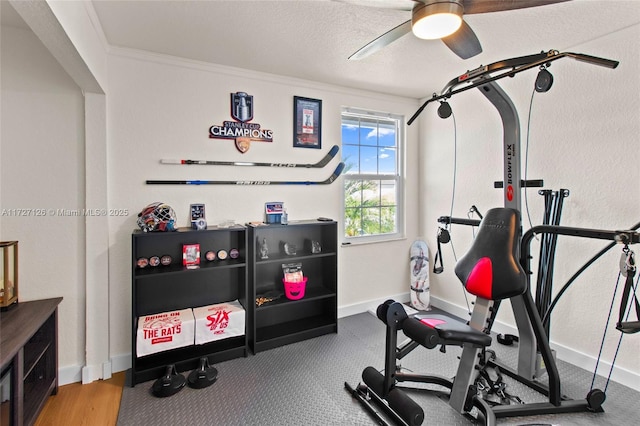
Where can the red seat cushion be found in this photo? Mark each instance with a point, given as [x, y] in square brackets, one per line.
[481, 279]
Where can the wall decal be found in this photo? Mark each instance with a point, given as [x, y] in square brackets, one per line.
[241, 130]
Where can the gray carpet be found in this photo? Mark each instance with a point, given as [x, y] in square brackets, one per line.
[303, 384]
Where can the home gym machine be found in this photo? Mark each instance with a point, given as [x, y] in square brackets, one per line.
[504, 271]
[492, 272]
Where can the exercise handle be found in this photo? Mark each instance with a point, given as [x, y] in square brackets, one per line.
[532, 183]
[608, 63]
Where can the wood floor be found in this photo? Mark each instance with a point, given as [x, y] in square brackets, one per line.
[93, 404]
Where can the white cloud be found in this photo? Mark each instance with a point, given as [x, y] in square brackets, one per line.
[379, 132]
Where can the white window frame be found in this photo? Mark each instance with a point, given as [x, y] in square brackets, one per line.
[398, 178]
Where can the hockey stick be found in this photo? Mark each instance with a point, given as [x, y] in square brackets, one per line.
[323, 162]
[327, 181]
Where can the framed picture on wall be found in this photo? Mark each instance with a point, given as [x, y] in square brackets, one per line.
[307, 122]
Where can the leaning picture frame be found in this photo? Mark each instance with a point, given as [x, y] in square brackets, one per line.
[191, 256]
[307, 122]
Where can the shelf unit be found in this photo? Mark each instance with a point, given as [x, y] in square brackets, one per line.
[285, 321]
[30, 355]
[157, 289]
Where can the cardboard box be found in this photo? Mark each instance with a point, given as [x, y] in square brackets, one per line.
[164, 331]
[217, 322]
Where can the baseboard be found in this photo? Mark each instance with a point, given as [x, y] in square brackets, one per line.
[120, 363]
[369, 305]
[587, 362]
[88, 374]
[67, 375]
[106, 370]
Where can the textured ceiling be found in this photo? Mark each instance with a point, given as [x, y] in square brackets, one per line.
[312, 39]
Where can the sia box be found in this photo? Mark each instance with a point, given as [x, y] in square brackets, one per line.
[164, 331]
[221, 321]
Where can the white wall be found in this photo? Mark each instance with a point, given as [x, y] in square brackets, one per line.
[583, 137]
[160, 107]
[42, 167]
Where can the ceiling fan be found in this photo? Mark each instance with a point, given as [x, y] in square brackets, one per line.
[440, 19]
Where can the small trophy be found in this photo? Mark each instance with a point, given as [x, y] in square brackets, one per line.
[263, 248]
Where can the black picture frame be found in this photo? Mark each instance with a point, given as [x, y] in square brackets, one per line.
[307, 122]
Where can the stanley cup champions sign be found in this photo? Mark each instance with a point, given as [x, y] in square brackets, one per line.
[241, 130]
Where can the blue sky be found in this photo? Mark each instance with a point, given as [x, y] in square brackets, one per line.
[368, 146]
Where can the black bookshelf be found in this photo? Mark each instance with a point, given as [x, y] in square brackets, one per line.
[283, 321]
[164, 288]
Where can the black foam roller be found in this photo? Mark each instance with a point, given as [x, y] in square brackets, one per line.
[381, 312]
[408, 409]
[420, 333]
[399, 401]
[373, 379]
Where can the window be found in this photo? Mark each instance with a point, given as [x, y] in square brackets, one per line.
[372, 153]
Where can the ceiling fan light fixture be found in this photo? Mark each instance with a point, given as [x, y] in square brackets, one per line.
[436, 20]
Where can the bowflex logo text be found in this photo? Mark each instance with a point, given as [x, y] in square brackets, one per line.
[509, 182]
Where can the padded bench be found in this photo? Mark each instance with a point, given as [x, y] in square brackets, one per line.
[433, 330]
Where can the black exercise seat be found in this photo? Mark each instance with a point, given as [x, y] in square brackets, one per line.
[432, 330]
[489, 270]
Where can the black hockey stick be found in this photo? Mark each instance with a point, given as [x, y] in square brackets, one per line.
[327, 181]
[323, 162]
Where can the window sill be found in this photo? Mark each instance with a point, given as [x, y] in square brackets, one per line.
[372, 241]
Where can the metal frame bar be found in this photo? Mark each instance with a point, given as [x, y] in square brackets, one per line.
[513, 67]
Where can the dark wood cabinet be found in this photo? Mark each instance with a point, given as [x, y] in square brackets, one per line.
[29, 352]
[164, 288]
[283, 321]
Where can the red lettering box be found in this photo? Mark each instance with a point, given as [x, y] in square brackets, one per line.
[164, 331]
[221, 321]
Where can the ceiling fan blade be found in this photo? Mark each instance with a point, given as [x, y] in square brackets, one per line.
[463, 42]
[487, 6]
[382, 41]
